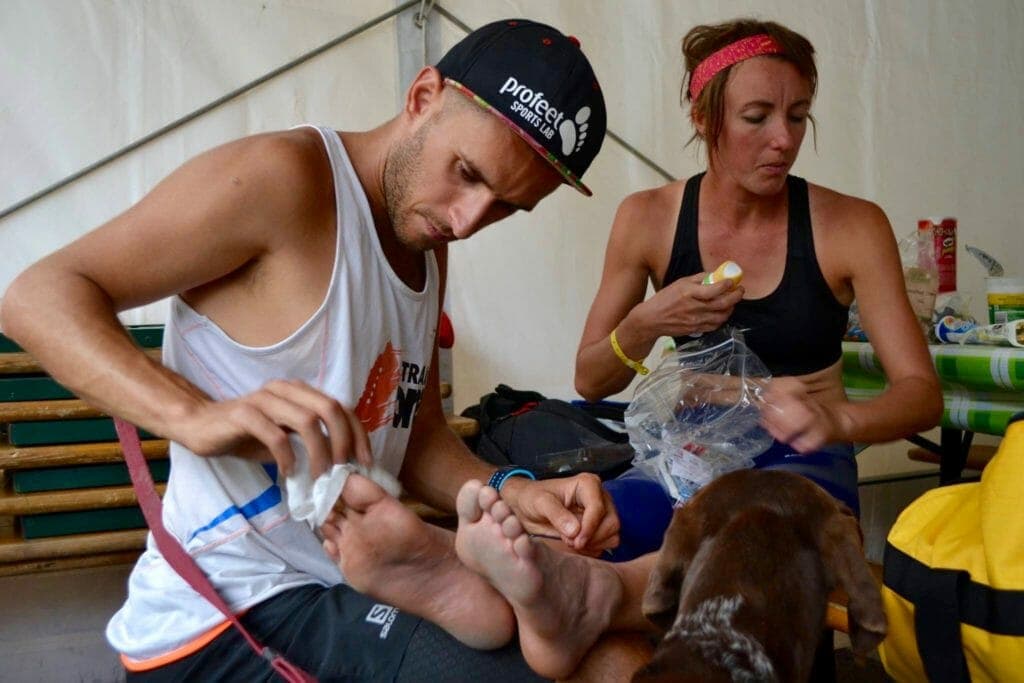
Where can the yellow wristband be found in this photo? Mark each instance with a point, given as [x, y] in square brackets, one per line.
[633, 365]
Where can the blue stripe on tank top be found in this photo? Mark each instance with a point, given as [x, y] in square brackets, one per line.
[261, 503]
[271, 469]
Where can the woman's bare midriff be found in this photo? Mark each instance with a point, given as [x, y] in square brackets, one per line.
[825, 385]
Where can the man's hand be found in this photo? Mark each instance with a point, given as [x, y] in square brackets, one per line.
[575, 509]
[258, 425]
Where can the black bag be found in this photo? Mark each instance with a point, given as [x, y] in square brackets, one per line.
[548, 436]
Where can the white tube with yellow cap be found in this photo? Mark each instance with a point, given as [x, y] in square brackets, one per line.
[728, 270]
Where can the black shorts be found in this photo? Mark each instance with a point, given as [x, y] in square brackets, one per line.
[338, 634]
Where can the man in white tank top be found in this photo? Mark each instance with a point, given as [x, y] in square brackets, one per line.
[306, 270]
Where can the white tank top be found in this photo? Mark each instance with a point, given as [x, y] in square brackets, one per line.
[368, 345]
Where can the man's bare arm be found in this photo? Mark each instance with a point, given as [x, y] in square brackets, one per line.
[438, 463]
[221, 212]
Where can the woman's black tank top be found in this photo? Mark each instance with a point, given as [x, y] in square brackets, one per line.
[799, 327]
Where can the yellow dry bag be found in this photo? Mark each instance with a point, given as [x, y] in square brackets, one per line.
[954, 578]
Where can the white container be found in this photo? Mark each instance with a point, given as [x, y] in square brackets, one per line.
[1005, 299]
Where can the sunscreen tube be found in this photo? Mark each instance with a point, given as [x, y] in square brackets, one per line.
[728, 270]
[1001, 334]
[1011, 333]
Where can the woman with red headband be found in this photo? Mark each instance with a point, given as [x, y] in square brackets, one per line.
[806, 253]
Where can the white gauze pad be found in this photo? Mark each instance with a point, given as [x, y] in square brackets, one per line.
[311, 501]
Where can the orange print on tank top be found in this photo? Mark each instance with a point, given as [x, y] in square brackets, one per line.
[376, 405]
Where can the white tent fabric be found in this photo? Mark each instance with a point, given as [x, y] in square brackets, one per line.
[920, 109]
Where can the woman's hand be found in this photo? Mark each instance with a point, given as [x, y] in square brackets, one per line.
[688, 307]
[794, 417]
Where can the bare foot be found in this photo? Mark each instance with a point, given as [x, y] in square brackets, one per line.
[562, 602]
[386, 551]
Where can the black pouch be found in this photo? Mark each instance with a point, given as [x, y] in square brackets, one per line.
[549, 436]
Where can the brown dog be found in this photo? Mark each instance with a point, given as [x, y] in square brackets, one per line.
[742, 581]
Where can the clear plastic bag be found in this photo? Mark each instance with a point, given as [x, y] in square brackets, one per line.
[697, 416]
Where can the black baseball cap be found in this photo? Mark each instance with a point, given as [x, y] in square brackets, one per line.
[538, 81]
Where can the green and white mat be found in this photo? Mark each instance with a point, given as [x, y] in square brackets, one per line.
[982, 386]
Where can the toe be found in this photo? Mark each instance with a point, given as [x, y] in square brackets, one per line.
[487, 497]
[467, 502]
[331, 528]
[523, 547]
[360, 493]
[511, 527]
[500, 511]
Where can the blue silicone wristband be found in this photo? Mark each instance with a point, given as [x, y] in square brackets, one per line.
[502, 475]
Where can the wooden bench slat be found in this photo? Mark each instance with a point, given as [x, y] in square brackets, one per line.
[64, 563]
[33, 411]
[18, 363]
[463, 426]
[12, 457]
[17, 550]
[22, 363]
[72, 499]
[836, 617]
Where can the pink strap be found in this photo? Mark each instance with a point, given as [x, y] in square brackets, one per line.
[745, 48]
[180, 560]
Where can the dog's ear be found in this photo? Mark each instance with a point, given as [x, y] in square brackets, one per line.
[840, 545]
[682, 538]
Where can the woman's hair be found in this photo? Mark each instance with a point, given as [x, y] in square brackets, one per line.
[703, 41]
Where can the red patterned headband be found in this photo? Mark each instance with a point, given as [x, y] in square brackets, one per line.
[745, 48]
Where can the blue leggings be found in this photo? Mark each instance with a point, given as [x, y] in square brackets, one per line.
[645, 509]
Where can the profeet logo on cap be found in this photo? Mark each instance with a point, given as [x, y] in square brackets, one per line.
[540, 83]
[535, 110]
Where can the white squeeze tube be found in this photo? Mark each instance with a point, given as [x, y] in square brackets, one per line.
[1000, 334]
[727, 270]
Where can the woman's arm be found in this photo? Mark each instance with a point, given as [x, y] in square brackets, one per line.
[862, 249]
[599, 372]
[642, 226]
[913, 400]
